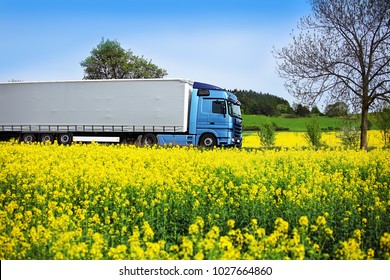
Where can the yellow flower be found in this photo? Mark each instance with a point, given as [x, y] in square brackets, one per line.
[384, 243]
[281, 225]
[304, 221]
[329, 231]
[358, 234]
[118, 253]
[254, 223]
[231, 223]
[370, 254]
[260, 232]
[196, 203]
[321, 221]
[174, 249]
[187, 248]
[351, 250]
[193, 229]
[148, 231]
[200, 222]
[199, 256]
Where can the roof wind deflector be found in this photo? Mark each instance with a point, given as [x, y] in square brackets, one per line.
[199, 85]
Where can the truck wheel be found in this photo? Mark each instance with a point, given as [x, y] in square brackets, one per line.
[28, 138]
[65, 138]
[149, 139]
[138, 141]
[208, 141]
[47, 138]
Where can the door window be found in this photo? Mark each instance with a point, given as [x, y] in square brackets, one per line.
[218, 107]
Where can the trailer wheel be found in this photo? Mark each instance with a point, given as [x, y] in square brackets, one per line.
[65, 138]
[208, 141]
[149, 139]
[138, 141]
[28, 138]
[47, 138]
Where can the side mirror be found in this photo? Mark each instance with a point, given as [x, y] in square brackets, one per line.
[223, 108]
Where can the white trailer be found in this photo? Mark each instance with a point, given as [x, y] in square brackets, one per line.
[94, 108]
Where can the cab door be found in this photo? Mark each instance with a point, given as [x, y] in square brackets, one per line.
[212, 114]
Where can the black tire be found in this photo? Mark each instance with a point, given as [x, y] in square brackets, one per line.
[149, 139]
[65, 138]
[138, 141]
[47, 137]
[29, 138]
[208, 141]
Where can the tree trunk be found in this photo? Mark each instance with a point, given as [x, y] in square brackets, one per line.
[364, 126]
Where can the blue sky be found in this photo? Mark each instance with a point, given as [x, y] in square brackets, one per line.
[226, 43]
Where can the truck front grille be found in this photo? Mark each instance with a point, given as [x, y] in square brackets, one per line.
[237, 128]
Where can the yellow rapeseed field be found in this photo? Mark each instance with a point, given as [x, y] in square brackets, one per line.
[124, 202]
[297, 139]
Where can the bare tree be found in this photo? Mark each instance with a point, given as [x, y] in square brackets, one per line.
[342, 53]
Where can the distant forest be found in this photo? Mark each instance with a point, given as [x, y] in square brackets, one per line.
[255, 103]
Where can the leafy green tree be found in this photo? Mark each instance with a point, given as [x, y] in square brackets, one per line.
[257, 103]
[301, 110]
[383, 121]
[283, 108]
[349, 134]
[343, 53]
[267, 134]
[338, 109]
[110, 61]
[315, 111]
[314, 133]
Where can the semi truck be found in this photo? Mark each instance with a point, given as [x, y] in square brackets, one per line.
[132, 111]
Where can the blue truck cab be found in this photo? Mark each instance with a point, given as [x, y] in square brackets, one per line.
[214, 119]
[215, 116]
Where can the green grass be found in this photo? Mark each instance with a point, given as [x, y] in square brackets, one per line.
[296, 124]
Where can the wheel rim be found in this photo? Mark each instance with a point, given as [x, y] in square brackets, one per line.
[65, 138]
[28, 138]
[208, 142]
[47, 138]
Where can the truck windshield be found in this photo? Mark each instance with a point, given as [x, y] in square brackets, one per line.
[234, 110]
